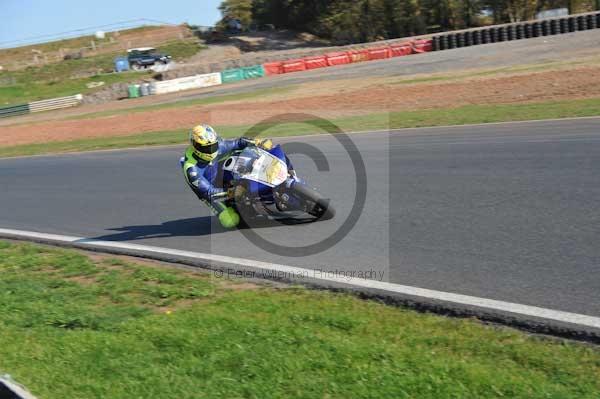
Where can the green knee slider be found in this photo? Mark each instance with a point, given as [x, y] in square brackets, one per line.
[229, 218]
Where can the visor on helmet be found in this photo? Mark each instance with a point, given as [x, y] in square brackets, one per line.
[206, 149]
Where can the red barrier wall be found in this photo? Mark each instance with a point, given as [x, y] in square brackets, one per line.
[422, 46]
[379, 53]
[273, 68]
[358, 55]
[399, 50]
[293, 66]
[337, 58]
[341, 58]
[315, 62]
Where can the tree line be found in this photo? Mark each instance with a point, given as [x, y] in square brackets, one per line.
[352, 21]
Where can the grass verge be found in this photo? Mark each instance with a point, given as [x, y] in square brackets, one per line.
[71, 43]
[33, 90]
[394, 120]
[73, 326]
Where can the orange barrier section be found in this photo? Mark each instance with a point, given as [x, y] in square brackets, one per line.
[358, 55]
[315, 62]
[422, 46]
[379, 53]
[293, 66]
[399, 50]
[273, 68]
[346, 57]
[337, 58]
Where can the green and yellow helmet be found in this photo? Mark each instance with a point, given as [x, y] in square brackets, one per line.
[205, 141]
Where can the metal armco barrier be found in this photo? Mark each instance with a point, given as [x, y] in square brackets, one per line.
[55, 103]
[516, 31]
[40, 106]
[14, 110]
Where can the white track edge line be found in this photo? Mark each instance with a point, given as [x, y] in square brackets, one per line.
[491, 304]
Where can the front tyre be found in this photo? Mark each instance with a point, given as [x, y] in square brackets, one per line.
[316, 205]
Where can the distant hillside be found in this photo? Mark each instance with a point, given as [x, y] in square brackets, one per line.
[22, 80]
[89, 46]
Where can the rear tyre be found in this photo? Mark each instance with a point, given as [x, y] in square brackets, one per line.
[319, 207]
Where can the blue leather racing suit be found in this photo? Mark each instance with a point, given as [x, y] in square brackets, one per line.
[204, 178]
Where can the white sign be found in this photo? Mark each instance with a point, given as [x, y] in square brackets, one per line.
[555, 13]
[187, 83]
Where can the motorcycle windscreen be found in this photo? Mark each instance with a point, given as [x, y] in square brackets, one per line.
[265, 168]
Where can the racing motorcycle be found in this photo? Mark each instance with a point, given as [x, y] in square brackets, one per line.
[265, 187]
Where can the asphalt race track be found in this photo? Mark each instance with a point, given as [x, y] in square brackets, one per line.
[502, 211]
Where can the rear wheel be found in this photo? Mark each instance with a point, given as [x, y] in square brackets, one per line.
[317, 206]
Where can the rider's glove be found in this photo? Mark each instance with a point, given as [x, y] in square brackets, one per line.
[265, 144]
[236, 192]
[231, 193]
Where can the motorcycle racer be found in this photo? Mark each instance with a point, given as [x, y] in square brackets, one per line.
[201, 169]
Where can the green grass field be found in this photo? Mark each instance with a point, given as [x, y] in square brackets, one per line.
[470, 114]
[65, 78]
[33, 90]
[77, 327]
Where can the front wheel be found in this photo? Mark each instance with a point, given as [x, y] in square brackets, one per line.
[316, 205]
